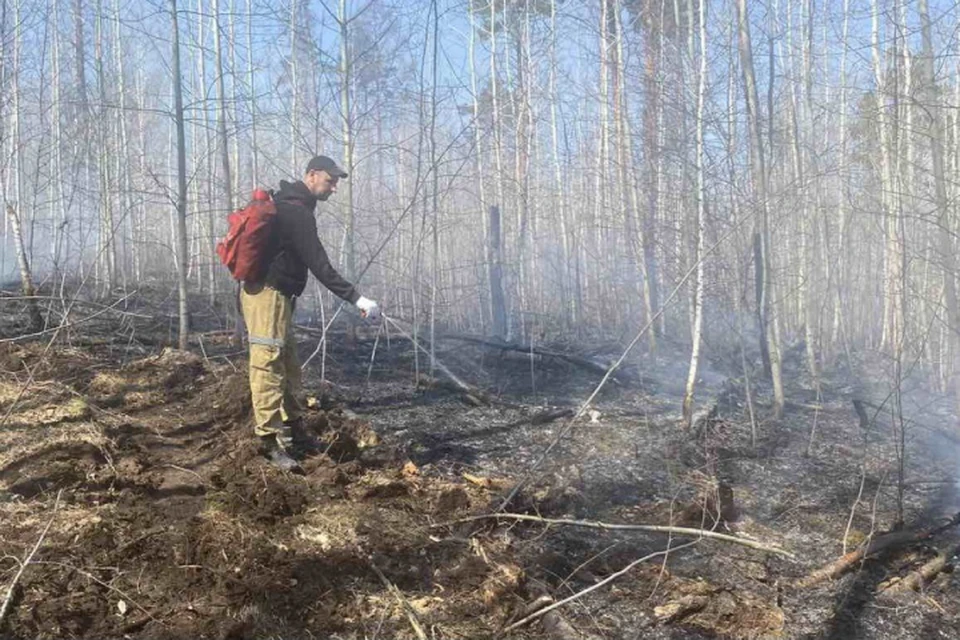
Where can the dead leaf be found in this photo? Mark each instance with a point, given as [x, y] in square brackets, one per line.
[486, 483]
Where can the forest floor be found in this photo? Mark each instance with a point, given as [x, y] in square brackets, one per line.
[132, 471]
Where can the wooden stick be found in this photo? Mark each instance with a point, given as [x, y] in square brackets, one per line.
[594, 587]
[407, 608]
[23, 565]
[653, 528]
[93, 578]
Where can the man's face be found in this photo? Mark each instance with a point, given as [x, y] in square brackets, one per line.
[321, 184]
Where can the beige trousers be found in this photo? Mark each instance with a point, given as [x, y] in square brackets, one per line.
[275, 383]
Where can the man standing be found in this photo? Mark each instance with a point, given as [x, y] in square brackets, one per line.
[268, 307]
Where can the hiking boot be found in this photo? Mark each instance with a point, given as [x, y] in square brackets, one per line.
[304, 442]
[277, 453]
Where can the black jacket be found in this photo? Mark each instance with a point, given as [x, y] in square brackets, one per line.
[297, 247]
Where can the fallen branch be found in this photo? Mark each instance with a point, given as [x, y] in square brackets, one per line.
[544, 417]
[86, 303]
[470, 394]
[68, 325]
[578, 361]
[651, 528]
[26, 562]
[879, 544]
[848, 561]
[594, 587]
[915, 580]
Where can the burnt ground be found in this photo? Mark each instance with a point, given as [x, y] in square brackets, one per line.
[162, 521]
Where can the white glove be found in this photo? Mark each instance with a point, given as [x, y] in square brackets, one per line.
[369, 309]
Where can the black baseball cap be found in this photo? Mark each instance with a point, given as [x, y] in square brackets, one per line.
[323, 163]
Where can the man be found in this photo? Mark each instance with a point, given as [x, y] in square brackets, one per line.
[268, 308]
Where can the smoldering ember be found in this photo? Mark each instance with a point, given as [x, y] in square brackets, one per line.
[444, 319]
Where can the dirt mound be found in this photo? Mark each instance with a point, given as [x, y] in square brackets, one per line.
[172, 525]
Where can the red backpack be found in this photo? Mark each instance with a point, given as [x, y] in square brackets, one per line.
[243, 250]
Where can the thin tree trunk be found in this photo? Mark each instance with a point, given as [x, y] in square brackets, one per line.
[839, 330]
[107, 232]
[251, 81]
[569, 310]
[886, 188]
[226, 180]
[701, 223]
[59, 202]
[497, 133]
[347, 130]
[295, 82]
[603, 152]
[235, 100]
[434, 201]
[26, 279]
[629, 196]
[496, 276]
[182, 240]
[122, 166]
[768, 325]
[935, 108]
[478, 148]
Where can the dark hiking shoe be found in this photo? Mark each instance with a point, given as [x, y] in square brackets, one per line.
[278, 455]
[303, 440]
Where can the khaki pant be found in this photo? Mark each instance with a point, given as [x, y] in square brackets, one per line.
[275, 383]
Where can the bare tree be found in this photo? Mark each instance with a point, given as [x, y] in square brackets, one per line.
[940, 192]
[768, 325]
[183, 258]
[701, 221]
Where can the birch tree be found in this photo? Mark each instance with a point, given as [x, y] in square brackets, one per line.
[701, 220]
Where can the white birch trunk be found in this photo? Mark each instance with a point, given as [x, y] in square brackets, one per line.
[701, 223]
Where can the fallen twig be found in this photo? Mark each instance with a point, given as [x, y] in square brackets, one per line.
[652, 528]
[853, 509]
[93, 578]
[26, 562]
[594, 587]
[407, 608]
